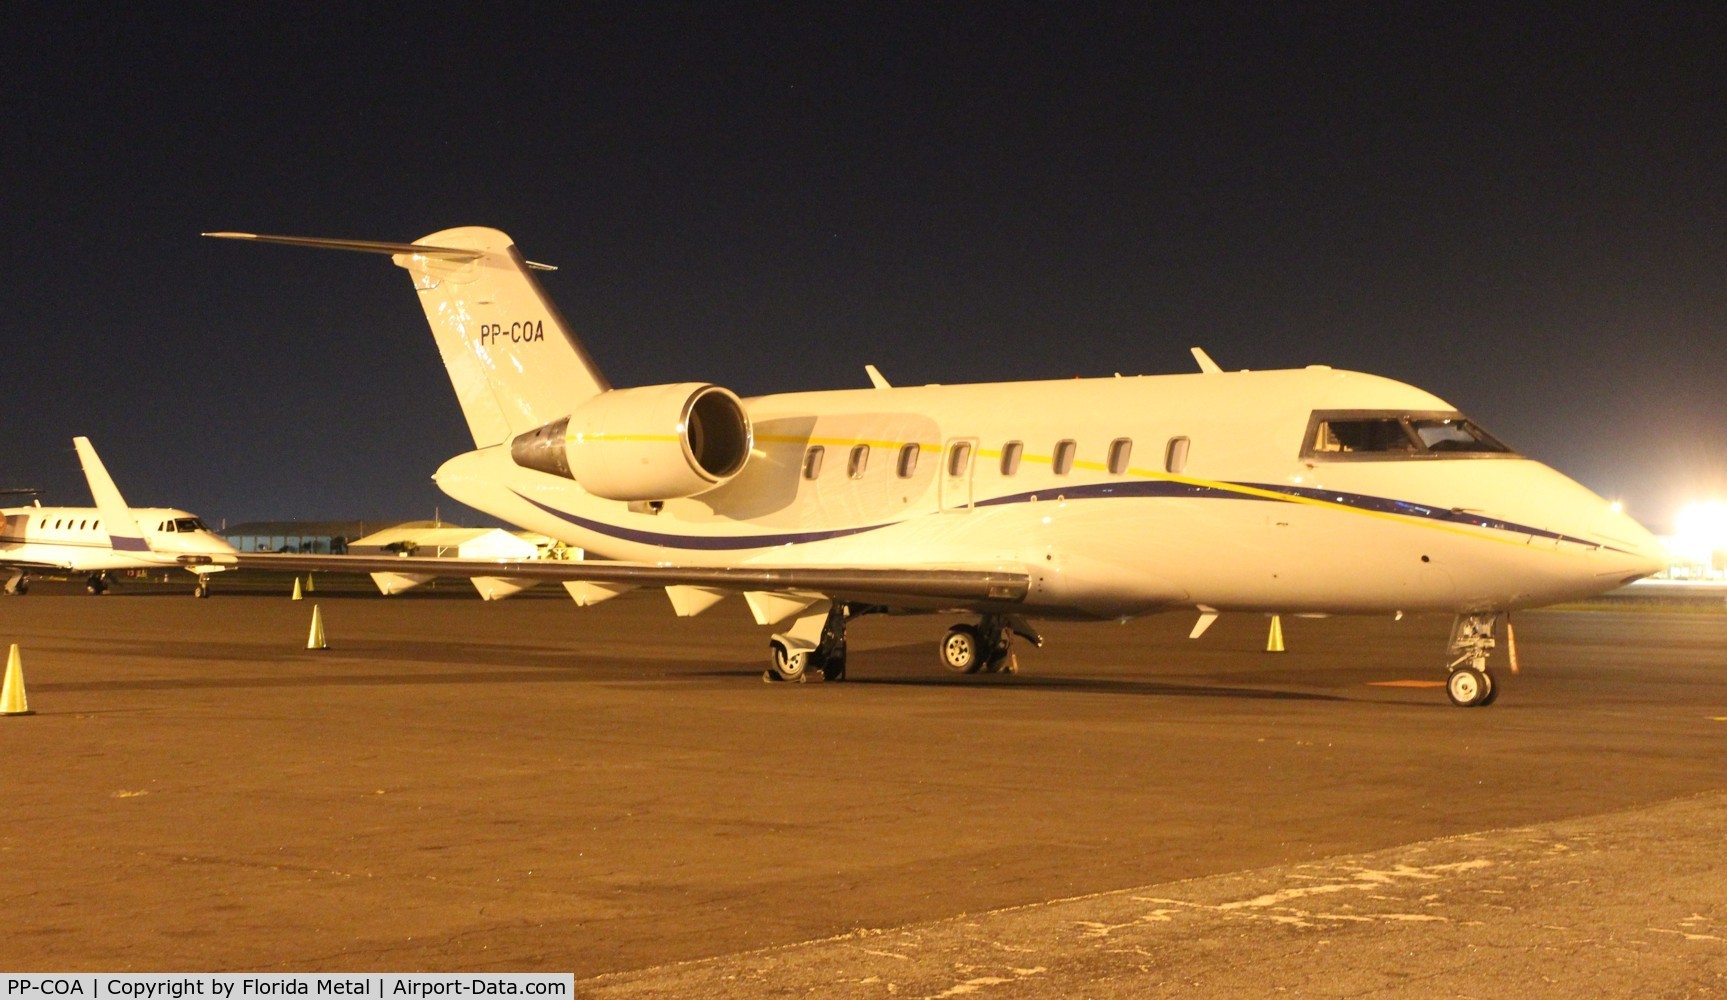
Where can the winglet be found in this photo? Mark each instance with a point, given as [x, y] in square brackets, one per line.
[876, 378]
[1206, 365]
[123, 531]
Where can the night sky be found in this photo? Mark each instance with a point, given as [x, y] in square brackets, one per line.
[1523, 213]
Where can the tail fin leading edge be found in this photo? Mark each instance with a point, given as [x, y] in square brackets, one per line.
[123, 531]
[513, 361]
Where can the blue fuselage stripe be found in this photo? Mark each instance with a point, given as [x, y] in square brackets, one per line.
[704, 542]
[1148, 488]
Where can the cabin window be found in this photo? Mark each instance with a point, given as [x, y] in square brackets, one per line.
[813, 461]
[1010, 455]
[1062, 463]
[908, 454]
[1175, 456]
[858, 462]
[1120, 451]
[1385, 434]
[959, 458]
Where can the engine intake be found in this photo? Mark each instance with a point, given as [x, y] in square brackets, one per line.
[657, 442]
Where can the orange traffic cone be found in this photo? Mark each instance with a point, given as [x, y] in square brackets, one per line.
[315, 640]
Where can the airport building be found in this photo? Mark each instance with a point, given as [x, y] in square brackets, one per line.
[426, 539]
[304, 537]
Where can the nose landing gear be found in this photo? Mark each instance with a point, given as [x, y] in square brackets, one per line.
[1472, 642]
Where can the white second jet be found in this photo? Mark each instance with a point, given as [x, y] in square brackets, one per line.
[1310, 491]
[109, 536]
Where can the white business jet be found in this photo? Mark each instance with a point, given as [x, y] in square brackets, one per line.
[1310, 491]
[110, 536]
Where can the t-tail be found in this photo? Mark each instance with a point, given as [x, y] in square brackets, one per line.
[123, 531]
[525, 381]
[514, 362]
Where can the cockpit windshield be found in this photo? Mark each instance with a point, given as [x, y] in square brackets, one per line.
[189, 524]
[1387, 434]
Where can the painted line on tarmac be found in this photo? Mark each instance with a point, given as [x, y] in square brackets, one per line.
[1406, 684]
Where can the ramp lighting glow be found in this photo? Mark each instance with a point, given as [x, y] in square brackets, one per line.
[1702, 526]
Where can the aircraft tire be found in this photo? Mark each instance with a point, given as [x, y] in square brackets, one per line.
[1492, 694]
[786, 665]
[1467, 687]
[962, 650]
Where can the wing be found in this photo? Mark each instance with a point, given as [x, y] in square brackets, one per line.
[934, 587]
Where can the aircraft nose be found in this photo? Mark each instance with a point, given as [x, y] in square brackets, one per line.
[1644, 554]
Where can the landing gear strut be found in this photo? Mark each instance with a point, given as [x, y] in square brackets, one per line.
[96, 584]
[203, 587]
[817, 641]
[986, 647]
[1472, 642]
[18, 584]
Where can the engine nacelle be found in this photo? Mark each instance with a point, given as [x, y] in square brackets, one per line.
[658, 442]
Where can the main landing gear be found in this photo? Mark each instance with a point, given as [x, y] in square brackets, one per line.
[96, 584]
[17, 585]
[986, 647]
[1472, 642]
[817, 642]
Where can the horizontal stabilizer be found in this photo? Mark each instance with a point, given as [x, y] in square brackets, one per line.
[368, 246]
[363, 246]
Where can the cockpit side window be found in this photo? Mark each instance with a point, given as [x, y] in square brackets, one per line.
[1454, 434]
[1388, 434]
[189, 524]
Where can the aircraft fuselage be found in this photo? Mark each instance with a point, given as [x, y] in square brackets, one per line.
[1176, 491]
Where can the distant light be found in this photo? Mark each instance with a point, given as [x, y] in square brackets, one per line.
[1617, 507]
[1702, 527]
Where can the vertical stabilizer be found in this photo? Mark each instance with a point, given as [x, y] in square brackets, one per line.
[514, 362]
[123, 532]
[500, 336]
